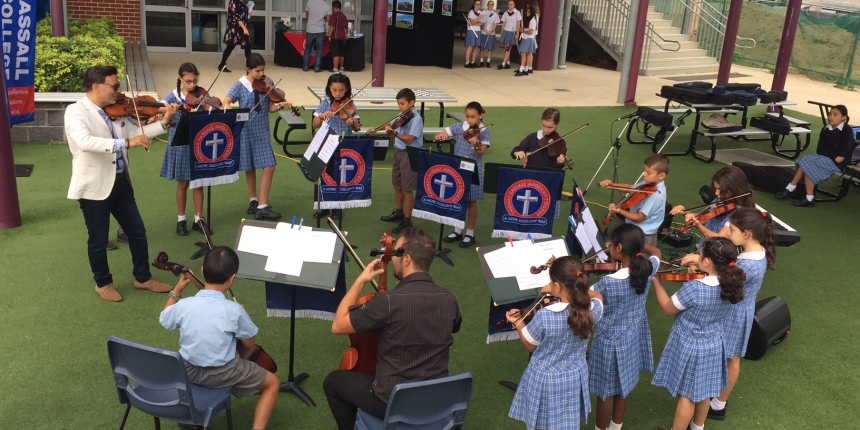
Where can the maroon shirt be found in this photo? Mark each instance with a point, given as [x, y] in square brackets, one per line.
[339, 24]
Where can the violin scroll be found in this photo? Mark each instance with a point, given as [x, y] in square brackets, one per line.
[538, 269]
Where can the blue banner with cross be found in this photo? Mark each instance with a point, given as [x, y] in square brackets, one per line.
[443, 189]
[214, 143]
[346, 182]
[525, 203]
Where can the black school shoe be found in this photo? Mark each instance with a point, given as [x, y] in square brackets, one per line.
[520, 73]
[182, 228]
[252, 208]
[393, 217]
[717, 415]
[453, 237]
[198, 227]
[507, 66]
[500, 66]
[804, 202]
[468, 240]
[111, 246]
[267, 214]
[400, 227]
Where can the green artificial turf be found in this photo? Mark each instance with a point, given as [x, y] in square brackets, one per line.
[55, 371]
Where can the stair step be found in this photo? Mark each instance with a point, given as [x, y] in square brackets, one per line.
[657, 53]
[674, 62]
[683, 70]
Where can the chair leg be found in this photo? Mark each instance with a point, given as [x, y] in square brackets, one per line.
[229, 419]
[157, 423]
[124, 417]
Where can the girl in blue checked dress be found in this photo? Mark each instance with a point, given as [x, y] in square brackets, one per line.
[177, 159]
[553, 392]
[728, 183]
[255, 148]
[469, 145]
[752, 230]
[622, 339]
[693, 364]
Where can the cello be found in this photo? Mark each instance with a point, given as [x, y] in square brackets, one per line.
[254, 354]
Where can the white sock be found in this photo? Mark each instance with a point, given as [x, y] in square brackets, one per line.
[522, 68]
[254, 199]
[613, 426]
[181, 217]
[196, 218]
[693, 426]
[790, 187]
[470, 232]
[717, 405]
[467, 63]
[810, 198]
[262, 206]
[457, 230]
[482, 61]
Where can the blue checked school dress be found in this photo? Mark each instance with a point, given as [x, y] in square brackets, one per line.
[509, 38]
[462, 148]
[832, 143]
[715, 225]
[553, 393]
[176, 165]
[336, 124]
[739, 322]
[473, 33]
[817, 168]
[693, 363]
[255, 142]
[622, 339]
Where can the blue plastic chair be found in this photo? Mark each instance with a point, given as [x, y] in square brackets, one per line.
[437, 404]
[155, 381]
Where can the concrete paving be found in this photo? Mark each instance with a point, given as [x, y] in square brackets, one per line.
[586, 86]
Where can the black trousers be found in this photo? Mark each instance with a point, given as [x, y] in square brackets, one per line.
[346, 392]
[229, 50]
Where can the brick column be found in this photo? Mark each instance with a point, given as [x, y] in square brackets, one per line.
[125, 13]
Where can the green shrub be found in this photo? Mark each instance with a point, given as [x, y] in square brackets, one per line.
[62, 61]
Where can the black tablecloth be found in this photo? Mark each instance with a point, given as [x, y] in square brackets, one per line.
[289, 49]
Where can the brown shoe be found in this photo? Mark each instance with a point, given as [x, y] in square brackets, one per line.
[153, 285]
[108, 293]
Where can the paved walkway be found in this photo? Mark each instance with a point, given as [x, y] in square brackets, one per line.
[587, 86]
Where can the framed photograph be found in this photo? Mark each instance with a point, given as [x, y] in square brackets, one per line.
[405, 21]
[407, 6]
[389, 18]
[447, 7]
[427, 6]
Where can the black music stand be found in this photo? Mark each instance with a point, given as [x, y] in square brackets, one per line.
[321, 276]
[413, 154]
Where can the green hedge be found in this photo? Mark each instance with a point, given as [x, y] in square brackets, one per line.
[62, 61]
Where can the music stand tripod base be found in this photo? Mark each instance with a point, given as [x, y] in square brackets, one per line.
[440, 252]
[292, 386]
[204, 249]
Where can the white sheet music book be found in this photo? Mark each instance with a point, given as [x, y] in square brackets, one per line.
[317, 141]
[330, 145]
[590, 225]
[255, 240]
[518, 259]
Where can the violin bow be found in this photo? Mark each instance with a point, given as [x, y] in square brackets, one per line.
[351, 99]
[597, 253]
[719, 202]
[266, 96]
[134, 103]
[346, 244]
[630, 189]
[551, 141]
[466, 130]
[468, 24]
[210, 87]
[376, 129]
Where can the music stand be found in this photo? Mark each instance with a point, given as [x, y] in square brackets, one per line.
[313, 275]
[413, 154]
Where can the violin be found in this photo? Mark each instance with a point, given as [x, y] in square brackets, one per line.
[544, 299]
[612, 266]
[554, 145]
[538, 269]
[147, 107]
[256, 353]
[398, 121]
[474, 131]
[347, 110]
[680, 276]
[266, 87]
[635, 196]
[709, 213]
[361, 355]
[199, 98]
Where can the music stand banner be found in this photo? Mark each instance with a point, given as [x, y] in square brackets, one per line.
[523, 202]
[214, 140]
[310, 302]
[19, 59]
[346, 182]
[498, 327]
[443, 190]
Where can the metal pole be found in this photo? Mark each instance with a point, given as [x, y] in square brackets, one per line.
[786, 44]
[728, 52]
[565, 34]
[636, 57]
[58, 18]
[10, 211]
[558, 36]
[627, 55]
[380, 37]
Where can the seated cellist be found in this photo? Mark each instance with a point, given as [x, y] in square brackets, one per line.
[413, 323]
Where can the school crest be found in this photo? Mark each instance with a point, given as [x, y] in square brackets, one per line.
[526, 202]
[349, 170]
[444, 187]
[213, 145]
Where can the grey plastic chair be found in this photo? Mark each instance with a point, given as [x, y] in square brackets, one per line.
[437, 404]
[155, 381]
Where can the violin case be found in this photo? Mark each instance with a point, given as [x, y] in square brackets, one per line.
[771, 324]
[719, 96]
[717, 123]
[766, 97]
[670, 92]
[699, 85]
[745, 98]
[781, 96]
[654, 117]
[771, 179]
[776, 125]
[694, 95]
[750, 88]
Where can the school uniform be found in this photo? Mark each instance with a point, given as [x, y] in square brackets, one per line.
[255, 147]
[335, 123]
[739, 322]
[473, 32]
[654, 208]
[693, 362]
[402, 174]
[553, 392]
[832, 143]
[529, 43]
[176, 165]
[462, 148]
[540, 158]
[510, 21]
[622, 339]
[715, 224]
[490, 20]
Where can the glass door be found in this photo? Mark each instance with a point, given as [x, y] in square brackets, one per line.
[166, 25]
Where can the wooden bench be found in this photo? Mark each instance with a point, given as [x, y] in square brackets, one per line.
[293, 123]
[137, 67]
[752, 131]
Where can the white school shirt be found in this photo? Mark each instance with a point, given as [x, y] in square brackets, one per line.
[532, 25]
[473, 15]
[510, 21]
[490, 19]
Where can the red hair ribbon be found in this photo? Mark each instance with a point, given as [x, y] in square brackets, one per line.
[578, 274]
[764, 214]
[638, 254]
[731, 264]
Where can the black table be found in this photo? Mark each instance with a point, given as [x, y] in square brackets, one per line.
[289, 51]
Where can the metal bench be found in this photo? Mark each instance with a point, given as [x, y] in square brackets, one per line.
[658, 137]
[137, 67]
[293, 123]
[752, 131]
[851, 175]
[794, 121]
[456, 116]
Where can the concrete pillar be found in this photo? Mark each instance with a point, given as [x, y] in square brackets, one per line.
[10, 211]
[58, 18]
[786, 44]
[627, 55]
[380, 38]
[728, 52]
[636, 57]
[565, 34]
[547, 35]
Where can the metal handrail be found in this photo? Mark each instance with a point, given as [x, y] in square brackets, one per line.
[708, 15]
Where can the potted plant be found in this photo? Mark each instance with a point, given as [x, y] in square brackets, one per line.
[284, 25]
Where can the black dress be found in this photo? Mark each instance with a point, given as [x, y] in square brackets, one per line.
[237, 12]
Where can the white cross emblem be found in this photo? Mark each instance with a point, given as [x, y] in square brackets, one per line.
[443, 184]
[527, 199]
[214, 144]
[344, 167]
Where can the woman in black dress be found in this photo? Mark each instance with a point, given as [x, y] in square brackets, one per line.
[237, 31]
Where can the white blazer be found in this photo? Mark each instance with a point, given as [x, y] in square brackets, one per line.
[91, 144]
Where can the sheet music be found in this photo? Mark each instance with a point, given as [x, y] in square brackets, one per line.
[331, 144]
[250, 6]
[255, 240]
[517, 260]
[286, 262]
[584, 241]
[317, 141]
[590, 225]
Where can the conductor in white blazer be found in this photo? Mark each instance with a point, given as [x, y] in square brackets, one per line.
[101, 181]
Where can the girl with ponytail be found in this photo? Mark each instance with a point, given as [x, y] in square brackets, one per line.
[622, 340]
[752, 230]
[693, 364]
[553, 392]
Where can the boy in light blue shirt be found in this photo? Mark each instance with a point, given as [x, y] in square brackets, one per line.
[209, 327]
[404, 179]
[649, 213]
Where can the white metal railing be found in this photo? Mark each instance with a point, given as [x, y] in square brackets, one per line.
[702, 21]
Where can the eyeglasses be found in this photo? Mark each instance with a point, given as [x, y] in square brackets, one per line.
[114, 86]
[191, 81]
